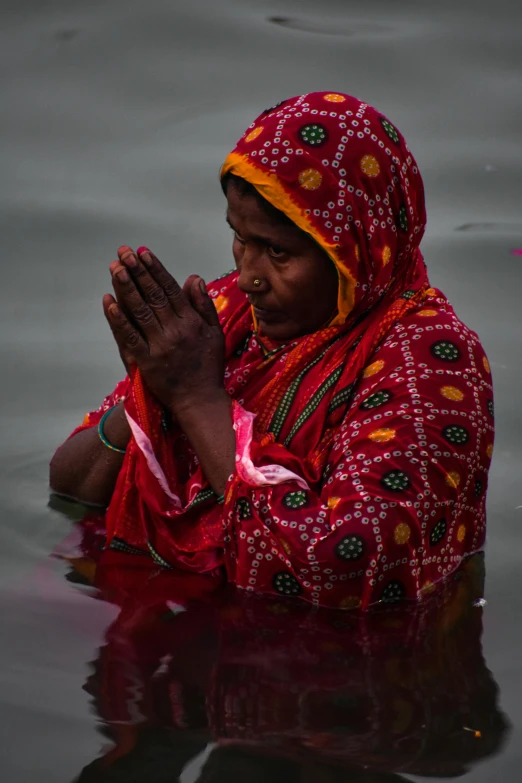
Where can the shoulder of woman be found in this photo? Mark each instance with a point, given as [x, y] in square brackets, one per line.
[429, 346]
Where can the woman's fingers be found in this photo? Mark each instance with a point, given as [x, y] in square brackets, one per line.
[130, 342]
[196, 292]
[132, 301]
[202, 301]
[173, 291]
[153, 293]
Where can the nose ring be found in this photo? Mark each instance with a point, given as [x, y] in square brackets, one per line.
[257, 282]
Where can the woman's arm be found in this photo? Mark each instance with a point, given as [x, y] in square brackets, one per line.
[83, 468]
[208, 426]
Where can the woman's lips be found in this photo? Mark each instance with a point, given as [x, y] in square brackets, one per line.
[268, 316]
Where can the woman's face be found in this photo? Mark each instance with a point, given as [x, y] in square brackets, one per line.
[298, 290]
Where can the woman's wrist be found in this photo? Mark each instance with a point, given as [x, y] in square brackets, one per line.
[193, 406]
[207, 423]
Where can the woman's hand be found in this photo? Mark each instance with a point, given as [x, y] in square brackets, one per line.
[171, 333]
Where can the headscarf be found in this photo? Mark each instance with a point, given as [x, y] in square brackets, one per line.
[343, 174]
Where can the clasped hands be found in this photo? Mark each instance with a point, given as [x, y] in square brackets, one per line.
[171, 333]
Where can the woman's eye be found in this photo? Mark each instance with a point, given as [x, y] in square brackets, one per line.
[276, 252]
[236, 236]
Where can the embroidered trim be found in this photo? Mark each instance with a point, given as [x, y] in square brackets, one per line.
[313, 404]
[341, 397]
[283, 409]
[202, 496]
[158, 558]
[119, 545]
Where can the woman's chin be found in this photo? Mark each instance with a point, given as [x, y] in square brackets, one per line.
[280, 331]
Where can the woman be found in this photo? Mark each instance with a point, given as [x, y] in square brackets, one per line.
[317, 423]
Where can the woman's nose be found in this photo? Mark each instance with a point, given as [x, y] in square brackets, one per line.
[252, 278]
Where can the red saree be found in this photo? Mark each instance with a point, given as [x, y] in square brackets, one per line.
[362, 449]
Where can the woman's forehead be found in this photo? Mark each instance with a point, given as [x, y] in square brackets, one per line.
[252, 211]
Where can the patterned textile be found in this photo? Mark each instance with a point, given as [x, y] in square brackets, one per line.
[362, 449]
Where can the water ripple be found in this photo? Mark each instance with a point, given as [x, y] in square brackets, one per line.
[350, 29]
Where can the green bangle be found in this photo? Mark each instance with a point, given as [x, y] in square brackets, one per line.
[101, 433]
[220, 499]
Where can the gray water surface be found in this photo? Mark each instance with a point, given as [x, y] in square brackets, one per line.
[116, 118]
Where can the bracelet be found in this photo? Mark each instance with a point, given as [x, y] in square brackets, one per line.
[101, 433]
[220, 499]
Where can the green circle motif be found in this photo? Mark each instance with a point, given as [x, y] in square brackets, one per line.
[403, 219]
[408, 295]
[478, 488]
[393, 592]
[350, 548]
[455, 434]
[438, 532]
[314, 135]
[445, 351]
[376, 399]
[395, 480]
[390, 131]
[296, 499]
[491, 408]
[286, 584]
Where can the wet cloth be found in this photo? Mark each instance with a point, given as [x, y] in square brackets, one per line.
[362, 449]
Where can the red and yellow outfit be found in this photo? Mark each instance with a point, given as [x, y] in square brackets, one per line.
[362, 449]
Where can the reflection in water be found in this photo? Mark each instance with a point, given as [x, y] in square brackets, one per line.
[276, 690]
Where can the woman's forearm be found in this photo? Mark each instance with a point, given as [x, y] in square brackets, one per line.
[84, 469]
[208, 426]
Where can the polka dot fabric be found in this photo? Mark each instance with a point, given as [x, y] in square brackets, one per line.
[344, 174]
[401, 502]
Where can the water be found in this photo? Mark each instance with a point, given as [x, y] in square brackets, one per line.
[116, 118]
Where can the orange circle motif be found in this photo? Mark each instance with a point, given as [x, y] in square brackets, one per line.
[431, 292]
[254, 134]
[382, 436]
[452, 393]
[333, 502]
[357, 251]
[370, 166]
[489, 450]
[310, 179]
[427, 313]
[402, 533]
[461, 533]
[427, 588]
[373, 368]
[386, 255]
[486, 364]
[453, 479]
[334, 97]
